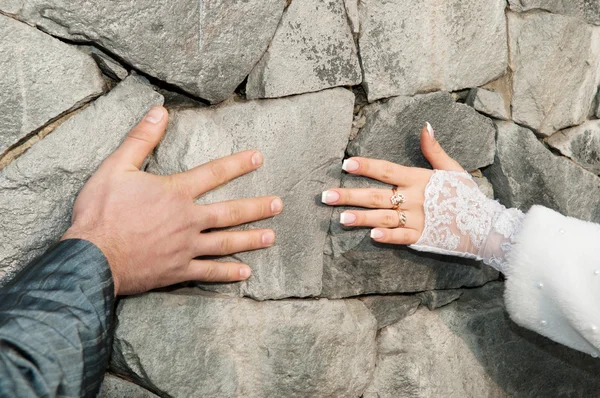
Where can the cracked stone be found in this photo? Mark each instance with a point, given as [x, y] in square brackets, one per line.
[438, 298]
[390, 309]
[206, 48]
[238, 347]
[588, 10]
[410, 47]
[489, 103]
[312, 50]
[42, 78]
[38, 189]
[115, 387]
[581, 144]
[302, 139]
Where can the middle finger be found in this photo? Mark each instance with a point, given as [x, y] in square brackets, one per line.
[373, 198]
[239, 211]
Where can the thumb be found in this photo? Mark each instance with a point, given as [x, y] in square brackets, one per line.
[433, 152]
[143, 138]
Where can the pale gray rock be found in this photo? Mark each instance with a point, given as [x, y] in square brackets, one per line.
[207, 48]
[526, 173]
[312, 50]
[353, 15]
[589, 10]
[354, 264]
[302, 139]
[11, 7]
[42, 78]
[115, 387]
[483, 184]
[438, 298]
[390, 309]
[488, 102]
[581, 144]
[393, 128]
[408, 47]
[38, 189]
[470, 348]
[109, 66]
[554, 61]
[185, 345]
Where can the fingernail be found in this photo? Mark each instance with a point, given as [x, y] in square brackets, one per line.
[349, 165]
[155, 115]
[268, 238]
[429, 130]
[330, 197]
[276, 206]
[245, 272]
[347, 218]
[376, 234]
[257, 159]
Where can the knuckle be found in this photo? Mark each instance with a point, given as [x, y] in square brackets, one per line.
[210, 272]
[236, 214]
[141, 134]
[224, 246]
[218, 171]
[377, 199]
[389, 220]
[387, 172]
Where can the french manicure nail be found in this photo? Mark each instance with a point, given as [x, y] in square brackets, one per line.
[350, 165]
[330, 197]
[276, 206]
[376, 234]
[155, 115]
[347, 218]
[268, 238]
[429, 129]
[257, 159]
[245, 272]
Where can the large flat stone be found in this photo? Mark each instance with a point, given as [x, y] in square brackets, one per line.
[115, 387]
[204, 47]
[302, 139]
[38, 189]
[42, 78]
[355, 264]
[190, 345]
[393, 128]
[312, 50]
[525, 173]
[470, 348]
[554, 61]
[589, 10]
[581, 144]
[408, 47]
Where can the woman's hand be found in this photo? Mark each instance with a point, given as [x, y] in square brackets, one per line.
[411, 183]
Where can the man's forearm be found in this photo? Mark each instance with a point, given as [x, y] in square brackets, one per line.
[55, 324]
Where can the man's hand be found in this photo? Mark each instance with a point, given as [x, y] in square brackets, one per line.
[149, 227]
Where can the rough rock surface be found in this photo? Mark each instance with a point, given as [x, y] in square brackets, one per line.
[589, 10]
[438, 298]
[581, 144]
[526, 173]
[354, 264]
[470, 348]
[488, 102]
[312, 50]
[38, 189]
[231, 347]
[554, 60]
[392, 131]
[302, 139]
[390, 309]
[409, 47]
[42, 78]
[115, 387]
[484, 184]
[205, 48]
[109, 66]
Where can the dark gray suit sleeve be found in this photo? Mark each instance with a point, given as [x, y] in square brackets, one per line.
[56, 324]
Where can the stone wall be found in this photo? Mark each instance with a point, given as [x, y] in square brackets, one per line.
[510, 88]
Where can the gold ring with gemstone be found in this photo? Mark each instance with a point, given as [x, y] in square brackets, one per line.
[397, 198]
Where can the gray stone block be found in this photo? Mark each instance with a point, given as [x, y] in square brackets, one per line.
[581, 144]
[526, 173]
[206, 48]
[488, 102]
[390, 309]
[554, 61]
[115, 387]
[589, 10]
[438, 298]
[393, 128]
[312, 50]
[38, 189]
[470, 348]
[188, 345]
[302, 139]
[42, 78]
[408, 47]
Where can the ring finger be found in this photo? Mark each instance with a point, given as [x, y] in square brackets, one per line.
[362, 197]
[380, 219]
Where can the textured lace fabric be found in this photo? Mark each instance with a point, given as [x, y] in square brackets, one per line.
[461, 221]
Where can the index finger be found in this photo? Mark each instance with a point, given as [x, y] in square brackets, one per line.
[210, 175]
[382, 170]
